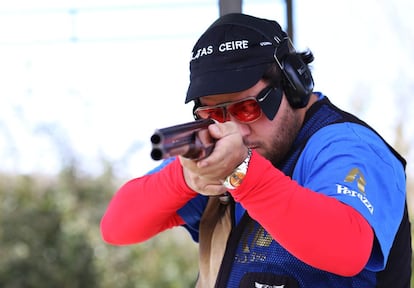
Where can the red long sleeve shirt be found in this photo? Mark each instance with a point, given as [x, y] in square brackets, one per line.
[308, 224]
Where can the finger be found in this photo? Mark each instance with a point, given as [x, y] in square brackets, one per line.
[220, 130]
[230, 141]
[215, 131]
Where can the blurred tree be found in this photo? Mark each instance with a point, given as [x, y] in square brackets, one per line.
[35, 251]
[49, 237]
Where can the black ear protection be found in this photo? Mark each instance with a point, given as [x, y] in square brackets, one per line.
[297, 79]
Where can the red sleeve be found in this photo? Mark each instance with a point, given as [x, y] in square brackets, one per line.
[319, 230]
[146, 206]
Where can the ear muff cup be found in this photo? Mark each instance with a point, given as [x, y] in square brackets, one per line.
[297, 82]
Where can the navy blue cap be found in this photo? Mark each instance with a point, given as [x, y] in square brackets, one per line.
[232, 55]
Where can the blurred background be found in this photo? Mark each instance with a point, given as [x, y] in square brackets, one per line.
[84, 84]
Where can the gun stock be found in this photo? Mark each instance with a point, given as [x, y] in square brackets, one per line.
[191, 140]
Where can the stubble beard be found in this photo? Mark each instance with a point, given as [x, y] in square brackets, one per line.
[282, 140]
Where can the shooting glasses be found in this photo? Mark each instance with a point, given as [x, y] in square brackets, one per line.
[245, 110]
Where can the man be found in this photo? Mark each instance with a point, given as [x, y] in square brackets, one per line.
[296, 193]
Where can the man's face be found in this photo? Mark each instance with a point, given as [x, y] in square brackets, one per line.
[270, 138]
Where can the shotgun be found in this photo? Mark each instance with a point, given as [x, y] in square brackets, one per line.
[191, 140]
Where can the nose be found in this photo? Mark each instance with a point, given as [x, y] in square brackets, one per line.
[244, 129]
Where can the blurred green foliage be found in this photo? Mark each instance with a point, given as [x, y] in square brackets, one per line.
[50, 237]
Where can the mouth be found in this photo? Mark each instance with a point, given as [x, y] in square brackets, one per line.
[253, 147]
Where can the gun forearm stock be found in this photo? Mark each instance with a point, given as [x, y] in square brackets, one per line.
[191, 140]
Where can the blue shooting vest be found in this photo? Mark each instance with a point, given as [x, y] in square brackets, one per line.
[253, 259]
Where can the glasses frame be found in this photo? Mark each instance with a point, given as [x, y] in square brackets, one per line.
[224, 106]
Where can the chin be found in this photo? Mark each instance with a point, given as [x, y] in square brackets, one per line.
[259, 150]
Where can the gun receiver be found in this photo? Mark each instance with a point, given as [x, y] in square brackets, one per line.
[191, 140]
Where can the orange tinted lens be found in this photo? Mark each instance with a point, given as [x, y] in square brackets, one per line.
[216, 113]
[245, 111]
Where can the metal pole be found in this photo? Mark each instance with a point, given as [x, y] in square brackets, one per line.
[235, 6]
[230, 6]
[289, 17]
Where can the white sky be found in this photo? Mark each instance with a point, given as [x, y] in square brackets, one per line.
[96, 78]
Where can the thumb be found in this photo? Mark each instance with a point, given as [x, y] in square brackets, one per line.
[216, 130]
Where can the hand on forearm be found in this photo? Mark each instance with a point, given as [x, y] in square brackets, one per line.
[206, 176]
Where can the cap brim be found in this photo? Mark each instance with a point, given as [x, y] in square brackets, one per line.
[221, 82]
